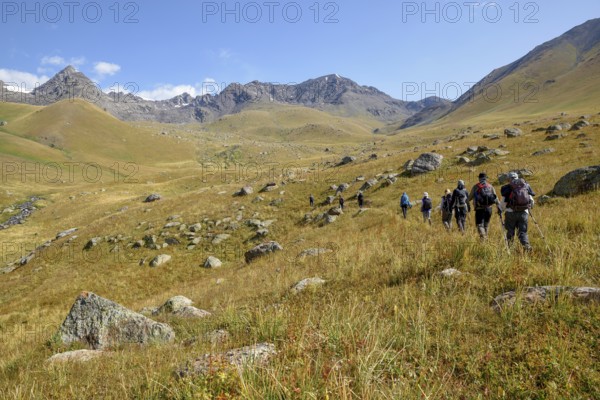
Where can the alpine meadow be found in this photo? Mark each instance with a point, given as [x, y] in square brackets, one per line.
[249, 242]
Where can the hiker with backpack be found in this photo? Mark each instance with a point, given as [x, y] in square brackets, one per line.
[360, 199]
[460, 204]
[446, 208]
[342, 202]
[311, 199]
[426, 206]
[518, 200]
[405, 204]
[484, 197]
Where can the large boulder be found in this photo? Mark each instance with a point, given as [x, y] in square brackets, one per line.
[262, 250]
[101, 323]
[581, 180]
[427, 162]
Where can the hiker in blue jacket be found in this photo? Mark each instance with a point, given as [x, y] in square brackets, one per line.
[405, 204]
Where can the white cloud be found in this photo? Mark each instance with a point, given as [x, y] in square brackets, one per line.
[103, 69]
[168, 91]
[53, 60]
[60, 61]
[25, 81]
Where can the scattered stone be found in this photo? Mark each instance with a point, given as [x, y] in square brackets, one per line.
[160, 260]
[427, 162]
[582, 180]
[306, 283]
[258, 199]
[347, 160]
[523, 173]
[580, 125]
[245, 191]
[314, 252]
[337, 211]
[259, 354]
[220, 238]
[368, 184]
[173, 224]
[66, 233]
[100, 323]
[262, 232]
[172, 241]
[554, 137]
[262, 250]
[196, 228]
[513, 132]
[542, 293]
[330, 219]
[93, 242]
[450, 272]
[343, 187]
[152, 198]
[359, 179]
[270, 187]
[330, 200]
[75, 356]
[544, 151]
[212, 262]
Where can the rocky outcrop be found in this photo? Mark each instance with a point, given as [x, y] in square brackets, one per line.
[101, 323]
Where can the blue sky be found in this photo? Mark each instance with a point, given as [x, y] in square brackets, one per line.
[161, 48]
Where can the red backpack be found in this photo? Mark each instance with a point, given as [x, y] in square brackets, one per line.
[484, 195]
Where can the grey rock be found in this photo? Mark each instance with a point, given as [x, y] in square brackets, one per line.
[220, 238]
[306, 284]
[270, 187]
[554, 137]
[245, 191]
[408, 165]
[152, 198]
[195, 228]
[93, 242]
[582, 180]
[522, 173]
[463, 160]
[75, 356]
[447, 273]
[100, 323]
[173, 224]
[368, 184]
[66, 233]
[258, 199]
[544, 151]
[513, 132]
[160, 260]
[427, 162]
[347, 160]
[330, 200]
[212, 262]
[315, 252]
[261, 250]
[258, 355]
[580, 125]
[540, 294]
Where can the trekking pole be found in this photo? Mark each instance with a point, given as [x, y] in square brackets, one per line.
[540, 230]
[504, 233]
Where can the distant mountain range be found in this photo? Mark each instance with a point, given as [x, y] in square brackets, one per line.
[563, 72]
[331, 93]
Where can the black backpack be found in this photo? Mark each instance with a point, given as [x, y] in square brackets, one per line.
[447, 203]
[484, 195]
[427, 204]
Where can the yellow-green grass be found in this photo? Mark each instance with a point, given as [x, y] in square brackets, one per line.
[385, 325]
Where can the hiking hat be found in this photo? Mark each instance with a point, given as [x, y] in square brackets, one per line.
[513, 175]
[461, 183]
[448, 191]
[425, 194]
[483, 175]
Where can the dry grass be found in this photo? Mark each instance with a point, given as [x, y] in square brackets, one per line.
[385, 326]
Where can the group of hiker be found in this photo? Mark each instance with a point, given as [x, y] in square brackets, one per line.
[515, 202]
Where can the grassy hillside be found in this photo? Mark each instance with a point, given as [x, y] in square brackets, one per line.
[385, 325]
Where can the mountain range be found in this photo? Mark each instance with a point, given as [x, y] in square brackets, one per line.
[331, 93]
[562, 72]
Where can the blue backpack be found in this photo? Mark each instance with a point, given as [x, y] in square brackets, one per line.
[404, 201]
